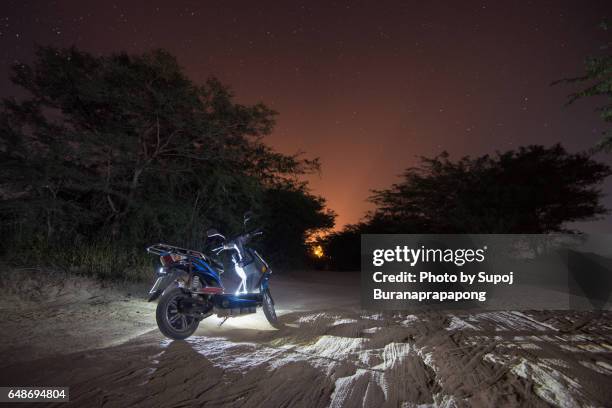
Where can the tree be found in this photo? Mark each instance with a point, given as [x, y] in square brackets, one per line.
[532, 190]
[126, 148]
[598, 76]
[287, 210]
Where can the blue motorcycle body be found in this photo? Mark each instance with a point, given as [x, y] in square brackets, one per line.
[189, 284]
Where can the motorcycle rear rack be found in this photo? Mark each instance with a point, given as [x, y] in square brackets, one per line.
[165, 249]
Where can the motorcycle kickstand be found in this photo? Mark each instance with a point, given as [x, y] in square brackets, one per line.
[223, 321]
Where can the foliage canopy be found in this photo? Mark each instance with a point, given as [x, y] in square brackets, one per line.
[597, 76]
[126, 148]
[531, 190]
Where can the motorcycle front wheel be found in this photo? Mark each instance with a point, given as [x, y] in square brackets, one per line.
[172, 322]
[269, 311]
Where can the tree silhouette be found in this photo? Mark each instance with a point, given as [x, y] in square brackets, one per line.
[532, 190]
[598, 75]
[126, 148]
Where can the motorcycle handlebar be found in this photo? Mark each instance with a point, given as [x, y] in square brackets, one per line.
[244, 238]
[237, 243]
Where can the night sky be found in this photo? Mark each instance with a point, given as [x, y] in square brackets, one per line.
[365, 86]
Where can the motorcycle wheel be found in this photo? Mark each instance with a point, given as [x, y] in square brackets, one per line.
[170, 320]
[269, 311]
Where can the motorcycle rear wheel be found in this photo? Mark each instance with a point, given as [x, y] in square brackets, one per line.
[269, 311]
[170, 320]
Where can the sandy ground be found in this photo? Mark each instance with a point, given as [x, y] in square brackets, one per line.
[104, 345]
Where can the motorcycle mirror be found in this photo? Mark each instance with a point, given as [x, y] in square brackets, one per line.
[214, 233]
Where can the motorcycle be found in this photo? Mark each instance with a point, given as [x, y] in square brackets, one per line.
[190, 289]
